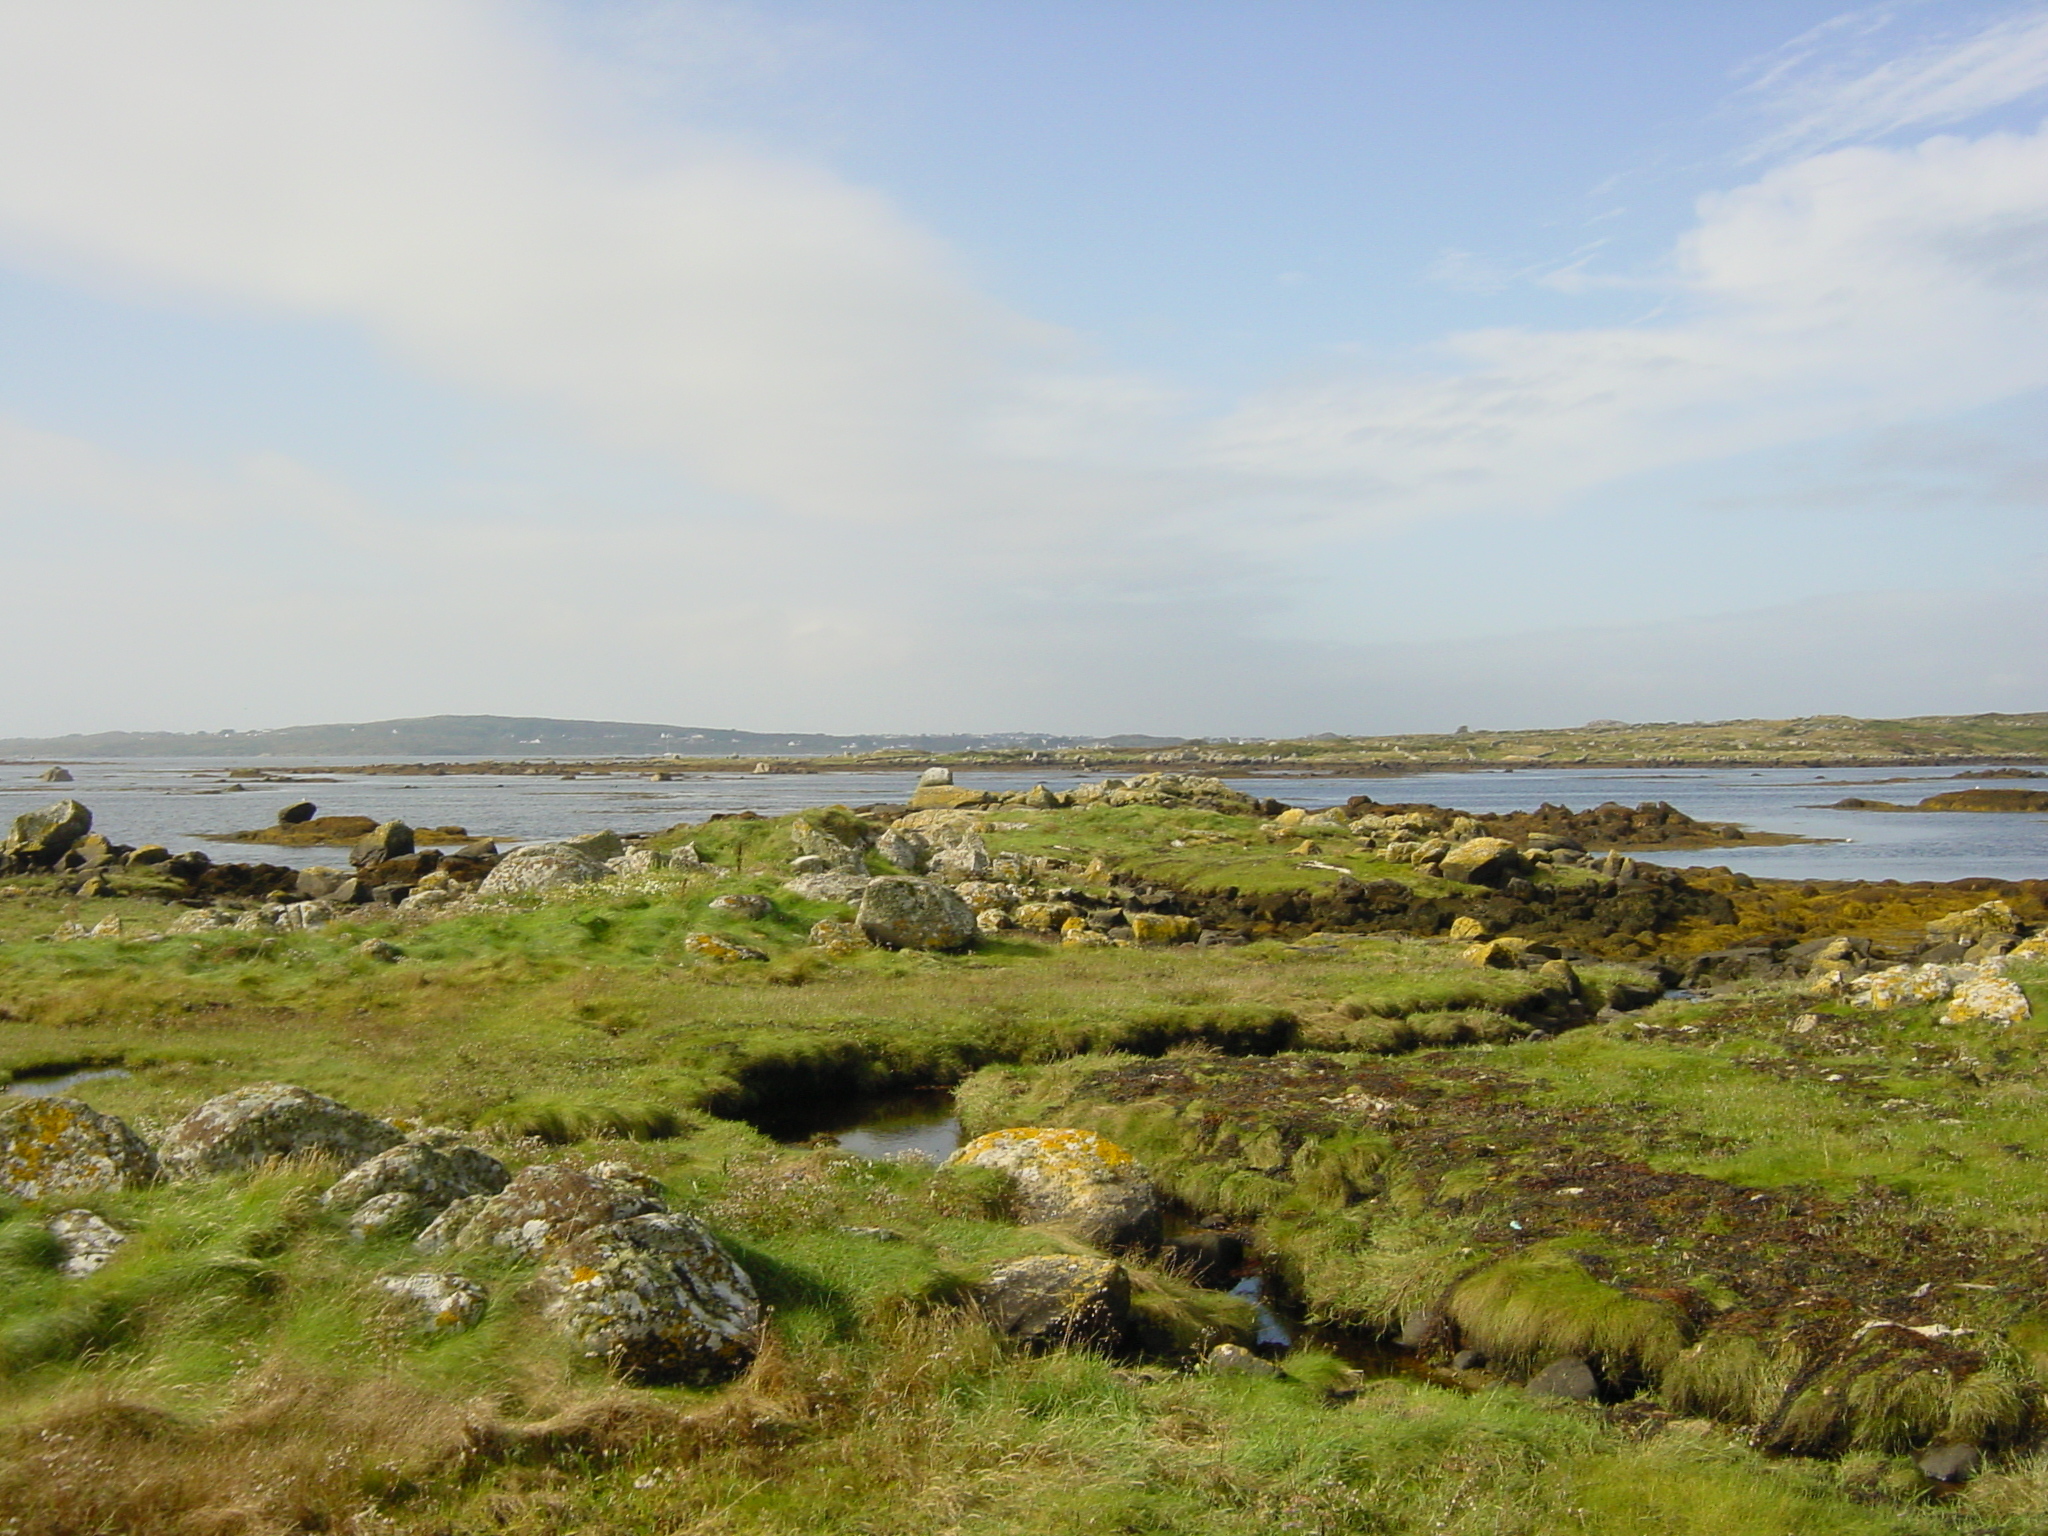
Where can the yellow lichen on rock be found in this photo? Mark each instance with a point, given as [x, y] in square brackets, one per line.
[1072, 1177]
[1987, 999]
[1164, 928]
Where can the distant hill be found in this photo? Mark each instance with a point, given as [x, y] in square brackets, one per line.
[507, 736]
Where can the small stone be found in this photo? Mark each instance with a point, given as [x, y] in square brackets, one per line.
[296, 812]
[1236, 1360]
[440, 1303]
[89, 1241]
[1467, 929]
[743, 904]
[379, 949]
[1949, 1463]
[1570, 1378]
[1469, 1360]
[934, 776]
[718, 949]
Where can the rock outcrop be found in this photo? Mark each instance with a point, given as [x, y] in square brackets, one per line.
[250, 1126]
[1076, 1179]
[51, 1147]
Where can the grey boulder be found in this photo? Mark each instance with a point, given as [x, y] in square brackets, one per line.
[252, 1125]
[902, 912]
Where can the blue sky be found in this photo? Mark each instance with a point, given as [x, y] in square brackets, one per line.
[1188, 367]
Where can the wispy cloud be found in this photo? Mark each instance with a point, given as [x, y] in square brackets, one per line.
[1837, 85]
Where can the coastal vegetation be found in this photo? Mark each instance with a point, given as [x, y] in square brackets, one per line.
[1422, 1066]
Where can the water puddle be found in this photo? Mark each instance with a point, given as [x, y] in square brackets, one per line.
[919, 1124]
[44, 1085]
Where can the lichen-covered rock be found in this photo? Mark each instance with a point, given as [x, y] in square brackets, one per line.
[1044, 916]
[907, 850]
[1987, 998]
[993, 920]
[1991, 920]
[1466, 930]
[1902, 986]
[988, 895]
[1075, 1178]
[1478, 860]
[1163, 928]
[1081, 936]
[252, 1125]
[944, 797]
[655, 1297]
[410, 1184]
[811, 840]
[828, 885]
[545, 1205]
[719, 950]
[746, 904]
[56, 1146]
[440, 1303]
[44, 836]
[1060, 1300]
[542, 867]
[904, 912]
[838, 938]
[88, 1240]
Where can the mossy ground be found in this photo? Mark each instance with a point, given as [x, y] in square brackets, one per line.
[235, 1370]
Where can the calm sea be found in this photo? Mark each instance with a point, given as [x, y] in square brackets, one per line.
[183, 803]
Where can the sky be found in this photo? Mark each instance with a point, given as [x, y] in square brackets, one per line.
[1195, 367]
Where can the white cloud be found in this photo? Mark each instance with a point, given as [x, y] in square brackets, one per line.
[1846, 290]
[1825, 90]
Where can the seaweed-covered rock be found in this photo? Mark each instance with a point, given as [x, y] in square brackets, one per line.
[655, 1297]
[903, 912]
[542, 867]
[252, 1125]
[1075, 1178]
[88, 1240]
[56, 1146]
[42, 837]
[545, 1205]
[440, 1303]
[1060, 1299]
[411, 1183]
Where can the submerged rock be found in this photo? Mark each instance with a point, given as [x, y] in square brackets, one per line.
[903, 912]
[253, 1125]
[1060, 1300]
[57, 1146]
[655, 1297]
[1074, 1178]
